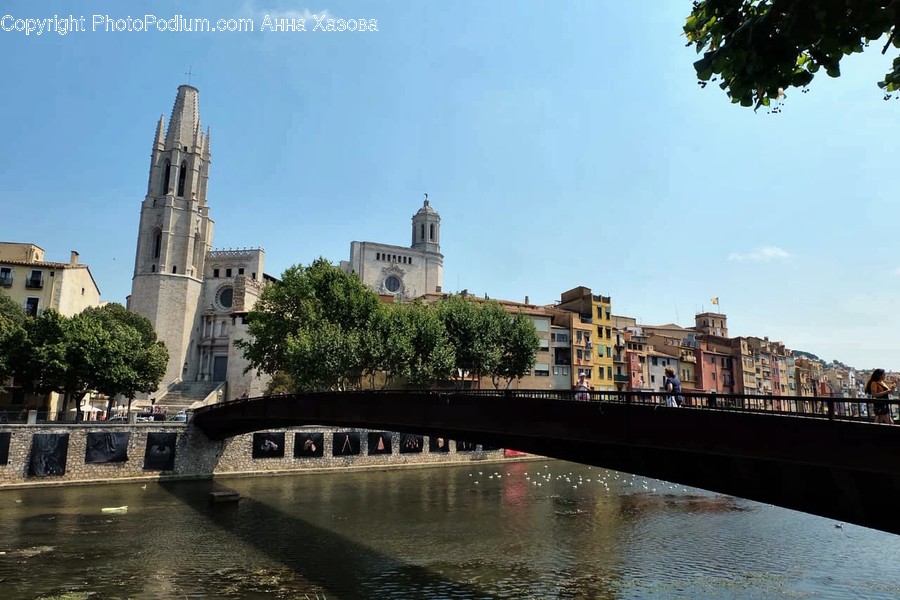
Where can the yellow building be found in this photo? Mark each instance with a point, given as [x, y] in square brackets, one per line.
[35, 284]
[592, 336]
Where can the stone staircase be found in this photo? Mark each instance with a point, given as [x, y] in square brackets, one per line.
[182, 395]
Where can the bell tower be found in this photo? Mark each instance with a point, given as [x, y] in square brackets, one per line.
[175, 231]
[426, 229]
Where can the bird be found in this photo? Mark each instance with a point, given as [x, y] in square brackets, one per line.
[839, 525]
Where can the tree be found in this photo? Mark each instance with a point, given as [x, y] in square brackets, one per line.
[142, 358]
[12, 333]
[475, 332]
[433, 357]
[756, 49]
[96, 350]
[519, 346]
[386, 344]
[310, 325]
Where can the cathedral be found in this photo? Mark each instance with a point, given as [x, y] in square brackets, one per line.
[198, 298]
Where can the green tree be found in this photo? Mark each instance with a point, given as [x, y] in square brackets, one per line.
[96, 350]
[386, 344]
[310, 325]
[756, 49]
[12, 335]
[475, 331]
[433, 357]
[142, 359]
[519, 345]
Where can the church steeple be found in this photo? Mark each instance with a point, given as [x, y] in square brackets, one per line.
[175, 230]
[426, 229]
[185, 119]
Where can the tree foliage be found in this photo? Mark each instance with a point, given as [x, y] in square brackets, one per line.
[756, 49]
[12, 332]
[310, 325]
[105, 349]
[319, 328]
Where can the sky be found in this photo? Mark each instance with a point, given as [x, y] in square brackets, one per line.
[563, 144]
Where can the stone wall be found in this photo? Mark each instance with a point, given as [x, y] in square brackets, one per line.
[196, 457]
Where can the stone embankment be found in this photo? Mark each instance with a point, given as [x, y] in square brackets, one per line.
[52, 454]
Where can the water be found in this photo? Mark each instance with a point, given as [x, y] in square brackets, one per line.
[543, 529]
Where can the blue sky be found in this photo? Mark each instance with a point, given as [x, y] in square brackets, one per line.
[563, 144]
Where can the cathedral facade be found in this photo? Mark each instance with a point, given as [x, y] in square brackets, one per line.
[405, 272]
[198, 298]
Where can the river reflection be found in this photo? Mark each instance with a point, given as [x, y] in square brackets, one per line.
[537, 529]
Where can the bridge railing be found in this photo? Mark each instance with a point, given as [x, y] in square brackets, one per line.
[845, 409]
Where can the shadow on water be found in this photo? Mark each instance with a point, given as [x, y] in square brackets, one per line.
[339, 567]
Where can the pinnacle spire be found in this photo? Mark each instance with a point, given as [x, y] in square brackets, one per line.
[185, 118]
[159, 141]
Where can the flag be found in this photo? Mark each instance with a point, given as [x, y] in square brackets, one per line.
[715, 300]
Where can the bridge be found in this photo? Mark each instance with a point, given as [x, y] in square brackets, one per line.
[822, 456]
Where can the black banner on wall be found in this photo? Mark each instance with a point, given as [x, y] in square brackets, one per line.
[48, 454]
[345, 443]
[438, 444]
[464, 446]
[268, 444]
[309, 445]
[4, 447]
[160, 453]
[379, 442]
[410, 443]
[103, 447]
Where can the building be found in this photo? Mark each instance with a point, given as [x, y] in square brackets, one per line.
[36, 284]
[403, 271]
[196, 297]
[592, 335]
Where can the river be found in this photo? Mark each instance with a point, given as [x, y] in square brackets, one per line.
[536, 529]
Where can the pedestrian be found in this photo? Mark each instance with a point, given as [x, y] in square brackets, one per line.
[672, 383]
[583, 387]
[879, 390]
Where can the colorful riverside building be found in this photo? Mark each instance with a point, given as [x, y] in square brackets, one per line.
[589, 319]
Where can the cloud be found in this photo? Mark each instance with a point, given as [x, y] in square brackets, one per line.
[762, 254]
[305, 14]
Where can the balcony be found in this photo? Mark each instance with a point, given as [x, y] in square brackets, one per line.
[620, 378]
[6, 281]
[586, 319]
[34, 283]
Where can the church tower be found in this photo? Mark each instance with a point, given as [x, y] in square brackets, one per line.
[175, 231]
[426, 229]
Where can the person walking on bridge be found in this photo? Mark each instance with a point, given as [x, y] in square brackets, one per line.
[673, 389]
[879, 391]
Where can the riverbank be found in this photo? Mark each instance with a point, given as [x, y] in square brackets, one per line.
[86, 454]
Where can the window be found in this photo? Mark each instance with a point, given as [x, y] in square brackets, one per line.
[653, 379]
[35, 280]
[608, 314]
[157, 243]
[608, 352]
[378, 256]
[253, 276]
[410, 261]
[578, 354]
[609, 372]
[31, 306]
[392, 284]
[541, 370]
[153, 268]
[227, 272]
[181, 173]
[167, 173]
[579, 336]
[6, 277]
[241, 271]
[608, 332]
[422, 232]
[654, 362]
[542, 324]
[545, 345]
[600, 373]
[174, 268]
[226, 297]
[215, 272]
[431, 235]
